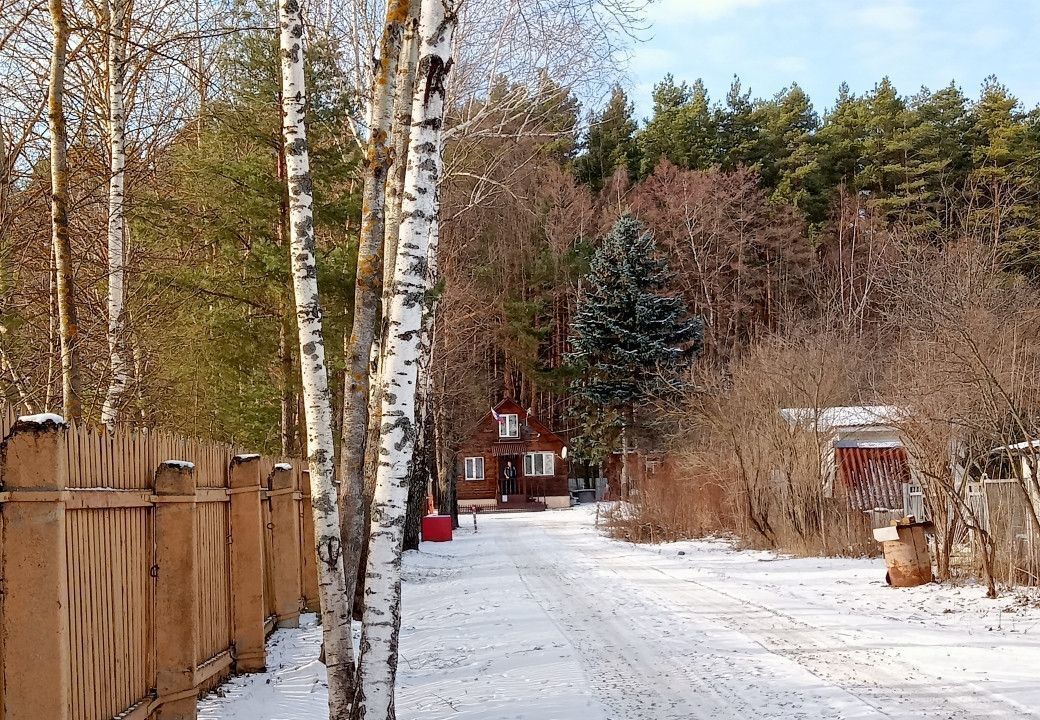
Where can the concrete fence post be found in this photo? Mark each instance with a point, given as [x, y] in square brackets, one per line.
[37, 669]
[247, 564]
[286, 546]
[176, 591]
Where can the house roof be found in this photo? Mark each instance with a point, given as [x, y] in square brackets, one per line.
[1031, 445]
[844, 417]
[510, 406]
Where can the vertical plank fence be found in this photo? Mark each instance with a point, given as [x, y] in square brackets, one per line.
[119, 558]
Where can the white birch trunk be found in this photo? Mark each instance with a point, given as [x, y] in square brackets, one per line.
[377, 668]
[367, 292]
[119, 362]
[335, 606]
[420, 483]
[399, 147]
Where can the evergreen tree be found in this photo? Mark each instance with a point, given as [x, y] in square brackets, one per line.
[217, 237]
[627, 334]
[1006, 163]
[936, 162]
[738, 133]
[787, 124]
[609, 143]
[683, 128]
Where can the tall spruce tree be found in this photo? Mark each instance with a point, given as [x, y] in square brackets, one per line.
[628, 335]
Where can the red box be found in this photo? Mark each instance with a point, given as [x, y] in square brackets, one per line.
[436, 528]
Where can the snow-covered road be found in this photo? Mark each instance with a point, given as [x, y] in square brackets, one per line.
[539, 617]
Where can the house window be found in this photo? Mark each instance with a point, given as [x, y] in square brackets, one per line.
[539, 463]
[474, 468]
[508, 426]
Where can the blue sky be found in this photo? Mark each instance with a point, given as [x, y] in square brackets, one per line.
[820, 43]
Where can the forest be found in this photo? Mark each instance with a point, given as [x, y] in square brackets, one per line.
[875, 248]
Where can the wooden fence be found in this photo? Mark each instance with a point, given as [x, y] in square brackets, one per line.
[141, 568]
[1003, 509]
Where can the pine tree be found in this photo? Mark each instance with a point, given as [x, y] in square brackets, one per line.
[787, 124]
[609, 143]
[937, 160]
[739, 141]
[683, 128]
[1006, 161]
[215, 234]
[627, 334]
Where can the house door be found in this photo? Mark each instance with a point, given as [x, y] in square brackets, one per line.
[508, 475]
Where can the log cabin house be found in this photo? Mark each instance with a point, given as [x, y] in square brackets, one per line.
[511, 461]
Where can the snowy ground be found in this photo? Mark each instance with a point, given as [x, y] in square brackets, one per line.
[539, 617]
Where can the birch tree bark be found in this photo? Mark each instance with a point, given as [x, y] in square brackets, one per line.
[119, 360]
[367, 291]
[400, 132]
[391, 227]
[68, 325]
[377, 668]
[419, 482]
[335, 607]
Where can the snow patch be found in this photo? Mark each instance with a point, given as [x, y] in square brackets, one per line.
[179, 464]
[540, 617]
[282, 466]
[246, 456]
[43, 419]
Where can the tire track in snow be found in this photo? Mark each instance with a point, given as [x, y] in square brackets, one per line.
[855, 662]
[652, 661]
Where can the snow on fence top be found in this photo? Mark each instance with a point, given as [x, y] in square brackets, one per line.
[42, 419]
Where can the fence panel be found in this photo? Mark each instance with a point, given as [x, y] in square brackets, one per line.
[266, 471]
[8, 415]
[309, 566]
[110, 565]
[109, 560]
[214, 575]
[1013, 532]
[109, 551]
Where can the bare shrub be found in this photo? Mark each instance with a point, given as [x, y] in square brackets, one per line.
[741, 466]
[677, 500]
[968, 367]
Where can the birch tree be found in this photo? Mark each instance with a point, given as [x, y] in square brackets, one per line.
[377, 668]
[394, 189]
[67, 320]
[368, 288]
[400, 127]
[119, 361]
[419, 481]
[335, 606]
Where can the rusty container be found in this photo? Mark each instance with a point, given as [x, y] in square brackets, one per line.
[907, 558]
